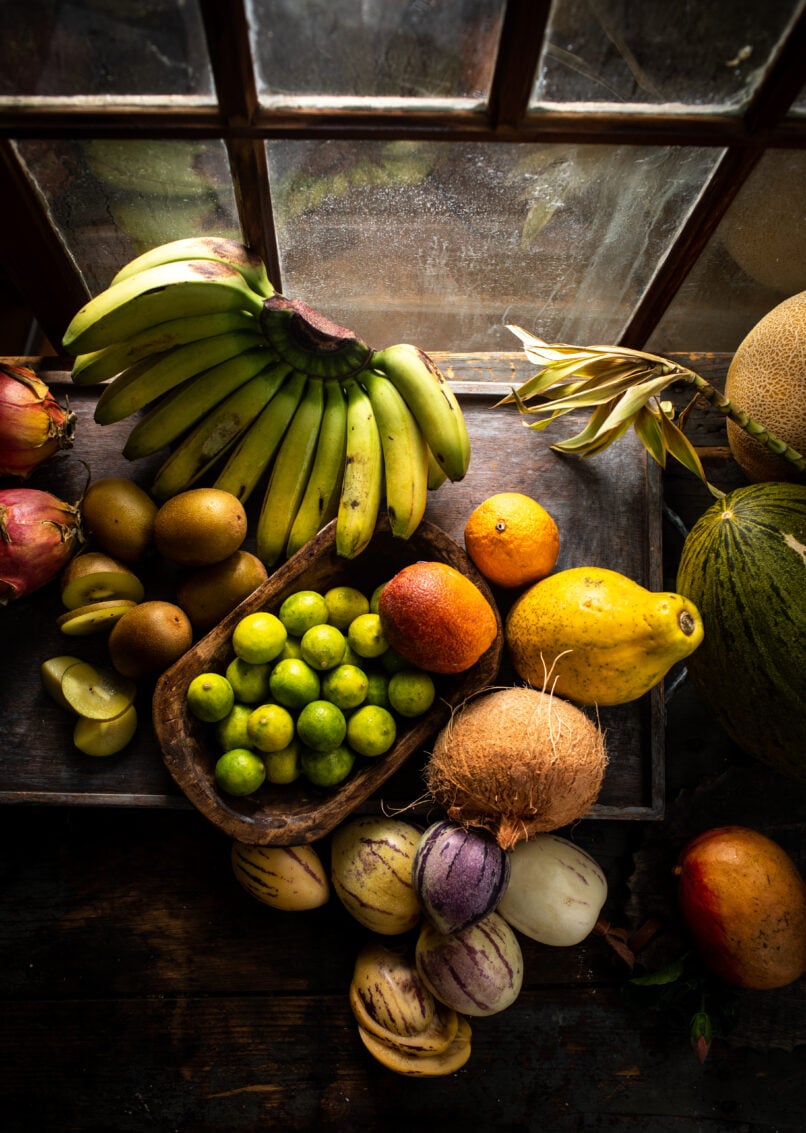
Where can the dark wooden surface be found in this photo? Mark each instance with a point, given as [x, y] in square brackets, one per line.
[142, 989]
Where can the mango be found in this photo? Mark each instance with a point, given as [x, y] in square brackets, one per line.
[594, 636]
[744, 904]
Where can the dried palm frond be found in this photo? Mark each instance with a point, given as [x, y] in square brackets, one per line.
[622, 386]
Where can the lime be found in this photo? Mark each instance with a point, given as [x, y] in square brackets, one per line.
[250, 683]
[371, 730]
[350, 656]
[345, 686]
[290, 649]
[321, 725]
[327, 768]
[231, 731]
[258, 637]
[301, 610]
[377, 692]
[345, 603]
[392, 662]
[270, 727]
[323, 646]
[210, 697]
[411, 692]
[283, 766]
[366, 636]
[239, 772]
[375, 597]
[294, 683]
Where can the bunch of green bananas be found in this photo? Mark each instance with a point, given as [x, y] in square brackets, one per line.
[240, 382]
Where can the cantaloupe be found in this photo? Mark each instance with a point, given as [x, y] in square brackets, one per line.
[767, 379]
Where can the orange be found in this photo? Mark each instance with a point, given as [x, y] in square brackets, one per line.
[512, 540]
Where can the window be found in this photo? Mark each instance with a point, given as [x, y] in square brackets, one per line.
[421, 170]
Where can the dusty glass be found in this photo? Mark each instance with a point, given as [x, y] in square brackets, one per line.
[153, 48]
[443, 244]
[111, 200]
[362, 48]
[755, 259]
[686, 55]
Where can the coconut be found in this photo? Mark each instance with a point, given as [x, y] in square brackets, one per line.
[517, 762]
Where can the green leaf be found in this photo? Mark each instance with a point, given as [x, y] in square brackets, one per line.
[680, 447]
[665, 975]
[650, 433]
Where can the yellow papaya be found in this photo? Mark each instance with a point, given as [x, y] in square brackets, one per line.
[594, 636]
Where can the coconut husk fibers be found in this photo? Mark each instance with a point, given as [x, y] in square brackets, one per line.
[517, 762]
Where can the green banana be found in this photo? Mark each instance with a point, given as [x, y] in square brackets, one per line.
[156, 376]
[255, 450]
[320, 500]
[436, 473]
[433, 403]
[213, 436]
[169, 291]
[289, 475]
[362, 484]
[216, 248]
[99, 365]
[173, 414]
[310, 341]
[405, 455]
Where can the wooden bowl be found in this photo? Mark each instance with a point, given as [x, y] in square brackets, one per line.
[298, 812]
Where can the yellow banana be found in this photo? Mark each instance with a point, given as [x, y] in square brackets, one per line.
[217, 248]
[169, 291]
[213, 436]
[153, 377]
[405, 455]
[432, 401]
[436, 473]
[255, 450]
[362, 484]
[320, 500]
[99, 365]
[289, 475]
[173, 414]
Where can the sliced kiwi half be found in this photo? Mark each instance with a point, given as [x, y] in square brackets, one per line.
[105, 737]
[95, 577]
[51, 671]
[96, 691]
[95, 617]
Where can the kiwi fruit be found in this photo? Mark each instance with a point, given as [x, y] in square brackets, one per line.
[94, 617]
[118, 518]
[199, 527]
[208, 593]
[95, 577]
[149, 638]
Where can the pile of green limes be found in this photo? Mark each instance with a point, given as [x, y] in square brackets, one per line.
[308, 691]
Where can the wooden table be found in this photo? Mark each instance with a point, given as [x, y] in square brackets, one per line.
[142, 989]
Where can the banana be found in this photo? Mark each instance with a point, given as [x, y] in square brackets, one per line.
[320, 500]
[221, 249]
[405, 455]
[310, 341]
[436, 473]
[289, 475]
[169, 291]
[153, 377]
[362, 484]
[213, 436]
[255, 450]
[173, 414]
[433, 403]
[99, 365]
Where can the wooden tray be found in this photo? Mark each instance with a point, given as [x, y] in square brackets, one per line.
[608, 510]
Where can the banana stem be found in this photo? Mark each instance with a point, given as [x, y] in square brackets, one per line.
[749, 424]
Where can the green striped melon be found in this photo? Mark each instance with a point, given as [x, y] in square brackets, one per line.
[743, 564]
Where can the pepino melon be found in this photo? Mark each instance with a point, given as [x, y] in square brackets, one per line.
[743, 564]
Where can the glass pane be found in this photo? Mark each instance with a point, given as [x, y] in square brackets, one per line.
[398, 48]
[111, 200]
[124, 47]
[755, 259]
[442, 244]
[699, 56]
